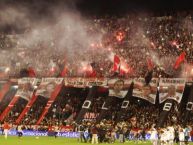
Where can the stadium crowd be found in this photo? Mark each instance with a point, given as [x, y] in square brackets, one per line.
[135, 40]
[160, 39]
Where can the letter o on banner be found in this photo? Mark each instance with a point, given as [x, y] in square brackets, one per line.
[125, 104]
[86, 104]
[189, 106]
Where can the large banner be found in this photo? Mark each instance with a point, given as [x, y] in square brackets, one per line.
[123, 112]
[118, 87]
[44, 133]
[85, 82]
[87, 103]
[118, 90]
[171, 88]
[189, 107]
[47, 86]
[144, 91]
[26, 88]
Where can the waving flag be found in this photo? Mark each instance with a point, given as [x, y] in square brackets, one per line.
[31, 72]
[64, 71]
[117, 64]
[179, 60]
[49, 88]
[150, 64]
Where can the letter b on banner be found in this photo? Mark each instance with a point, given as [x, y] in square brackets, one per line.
[86, 104]
[167, 106]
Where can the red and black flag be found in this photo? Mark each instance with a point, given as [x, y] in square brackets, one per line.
[31, 72]
[116, 64]
[64, 72]
[150, 64]
[179, 60]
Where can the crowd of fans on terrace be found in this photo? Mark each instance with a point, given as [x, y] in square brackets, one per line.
[135, 39]
[161, 39]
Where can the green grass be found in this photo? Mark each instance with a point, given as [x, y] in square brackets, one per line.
[51, 141]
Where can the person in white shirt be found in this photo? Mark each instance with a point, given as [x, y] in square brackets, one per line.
[164, 136]
[19, 131]
[56, 131]
[171, 135]
[181, 136]
[154, 135]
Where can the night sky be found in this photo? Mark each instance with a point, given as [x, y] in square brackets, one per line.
[104, 7]
[43, 9]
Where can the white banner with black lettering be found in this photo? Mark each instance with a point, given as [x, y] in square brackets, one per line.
[171, 88]
[85, 82]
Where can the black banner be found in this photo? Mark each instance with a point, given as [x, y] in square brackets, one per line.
[189, 106]
[165, 112]
[105, 108]
[125, 104]
[111, 101]
[87, 103]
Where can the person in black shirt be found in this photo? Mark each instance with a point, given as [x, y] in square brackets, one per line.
[81, 131]
[101, 133]
[107, 137]
[143, 135]
[176, 135]
[1, 128]
[89, 134]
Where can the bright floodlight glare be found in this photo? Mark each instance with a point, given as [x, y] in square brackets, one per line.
[15, 86]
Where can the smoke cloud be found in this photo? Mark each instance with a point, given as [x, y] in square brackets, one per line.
[66, 35]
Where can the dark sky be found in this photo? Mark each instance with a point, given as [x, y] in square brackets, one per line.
[102, 7]
[125, 6]
[43, 9]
